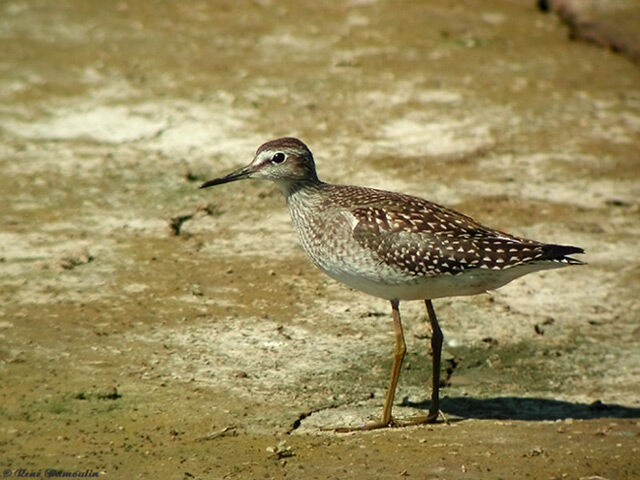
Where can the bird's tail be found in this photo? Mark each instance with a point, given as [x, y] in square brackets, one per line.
[560, 253]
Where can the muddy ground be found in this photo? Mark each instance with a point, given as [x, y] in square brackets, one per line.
[221, 352]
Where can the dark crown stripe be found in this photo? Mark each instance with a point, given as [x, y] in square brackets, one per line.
[284, 143]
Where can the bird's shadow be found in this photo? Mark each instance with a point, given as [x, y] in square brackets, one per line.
[521, 408]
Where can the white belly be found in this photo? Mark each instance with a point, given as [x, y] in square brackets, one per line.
[470, 282]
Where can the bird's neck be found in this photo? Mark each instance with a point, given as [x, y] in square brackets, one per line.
[291, 187]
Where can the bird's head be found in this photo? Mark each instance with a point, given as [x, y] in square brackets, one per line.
[287, 161]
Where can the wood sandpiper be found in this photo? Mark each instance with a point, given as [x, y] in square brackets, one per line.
[395, 246]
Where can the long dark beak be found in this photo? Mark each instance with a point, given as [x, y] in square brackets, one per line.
[238, 174]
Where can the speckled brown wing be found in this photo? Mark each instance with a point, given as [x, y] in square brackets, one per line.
[421, 238]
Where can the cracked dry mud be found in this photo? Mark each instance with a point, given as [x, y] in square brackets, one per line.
[152, 330]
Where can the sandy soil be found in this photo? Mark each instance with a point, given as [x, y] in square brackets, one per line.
[152, 330]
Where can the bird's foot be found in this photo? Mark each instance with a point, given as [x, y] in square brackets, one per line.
[431, 417]
[368, 426]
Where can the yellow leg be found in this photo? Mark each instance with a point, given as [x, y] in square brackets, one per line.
[436, 352]
[398, 356]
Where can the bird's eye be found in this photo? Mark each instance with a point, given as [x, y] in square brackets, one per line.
[278, 157]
